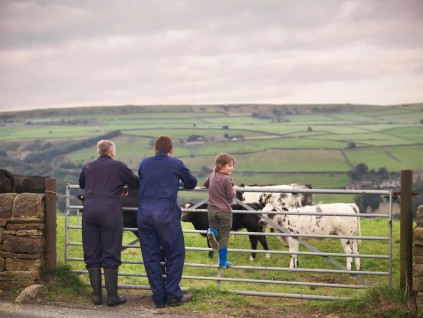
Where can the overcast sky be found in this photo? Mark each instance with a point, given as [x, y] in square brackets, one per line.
[116, 52]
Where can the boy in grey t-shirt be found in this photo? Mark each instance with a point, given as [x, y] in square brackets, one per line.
[221, 191]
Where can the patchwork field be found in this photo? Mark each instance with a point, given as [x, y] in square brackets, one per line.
[273, 144]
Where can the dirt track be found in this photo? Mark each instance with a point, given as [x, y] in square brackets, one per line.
[136, 307]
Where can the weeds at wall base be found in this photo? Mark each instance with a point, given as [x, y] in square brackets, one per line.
[379, 301]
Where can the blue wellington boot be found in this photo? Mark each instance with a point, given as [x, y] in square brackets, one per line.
[223, 254]
[212, 237]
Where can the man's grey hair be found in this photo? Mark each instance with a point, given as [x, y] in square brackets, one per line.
[105, 147]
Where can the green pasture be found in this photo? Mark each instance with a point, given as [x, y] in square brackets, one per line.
[315, 144]
[133, 124]
[379, 127]
[278, 161]
[408, 157]
[309, 119]
[178, 133]
[312, 160]
[375, 139]
[235, 121]
[339, 129]
[254, 146]
[392, 158]
[411, 133]
[171, 115]
[369, 227]
[404, 116]
[30, 132]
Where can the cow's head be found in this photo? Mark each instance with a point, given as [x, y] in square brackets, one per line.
[186, 216]
[7, 182]
[81, 198]
[269, 216]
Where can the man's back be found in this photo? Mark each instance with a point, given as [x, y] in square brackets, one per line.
[160, 178]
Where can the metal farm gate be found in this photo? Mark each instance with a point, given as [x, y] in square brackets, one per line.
[263, 277]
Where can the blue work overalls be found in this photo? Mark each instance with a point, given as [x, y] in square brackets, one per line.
[102, 224]
[159, 223]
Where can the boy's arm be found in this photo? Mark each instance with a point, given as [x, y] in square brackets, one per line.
[206, 182]
[230, 188]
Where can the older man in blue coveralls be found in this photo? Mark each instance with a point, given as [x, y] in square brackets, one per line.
[159, 221]
[102, 222]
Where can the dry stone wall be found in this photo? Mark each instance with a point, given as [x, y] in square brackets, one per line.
[22, 238]
[418, 259]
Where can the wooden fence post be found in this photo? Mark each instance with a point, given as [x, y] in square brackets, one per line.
[406, 231]
[51, 253]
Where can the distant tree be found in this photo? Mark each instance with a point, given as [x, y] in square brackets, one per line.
[6, 117]
[358, 172]
[49, 154]
[367, 200]
[310, 129]
[47, 145]
[382, 172]
[361, 168]
[351, 145]
[67, 165]
[225, 127]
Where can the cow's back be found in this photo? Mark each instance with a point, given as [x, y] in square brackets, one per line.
[30, 184]
[325, 224]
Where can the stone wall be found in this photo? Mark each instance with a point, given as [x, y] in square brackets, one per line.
[22, 238]
[418, 259]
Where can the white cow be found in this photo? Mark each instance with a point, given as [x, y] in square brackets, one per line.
[322, 225]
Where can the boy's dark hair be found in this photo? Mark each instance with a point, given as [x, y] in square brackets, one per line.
[222, 159]
[163, 144]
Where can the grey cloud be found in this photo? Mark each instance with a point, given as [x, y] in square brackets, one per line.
[55, 53]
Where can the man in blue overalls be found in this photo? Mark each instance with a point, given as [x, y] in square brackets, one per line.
[102, 223]
[159, 221]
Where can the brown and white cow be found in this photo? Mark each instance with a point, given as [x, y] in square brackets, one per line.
[300, 223]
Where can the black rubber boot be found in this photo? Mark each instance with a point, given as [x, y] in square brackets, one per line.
[111, 280]
[95, 281]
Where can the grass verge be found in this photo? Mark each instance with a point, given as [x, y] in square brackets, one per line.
[61, 284]
[379, 301]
